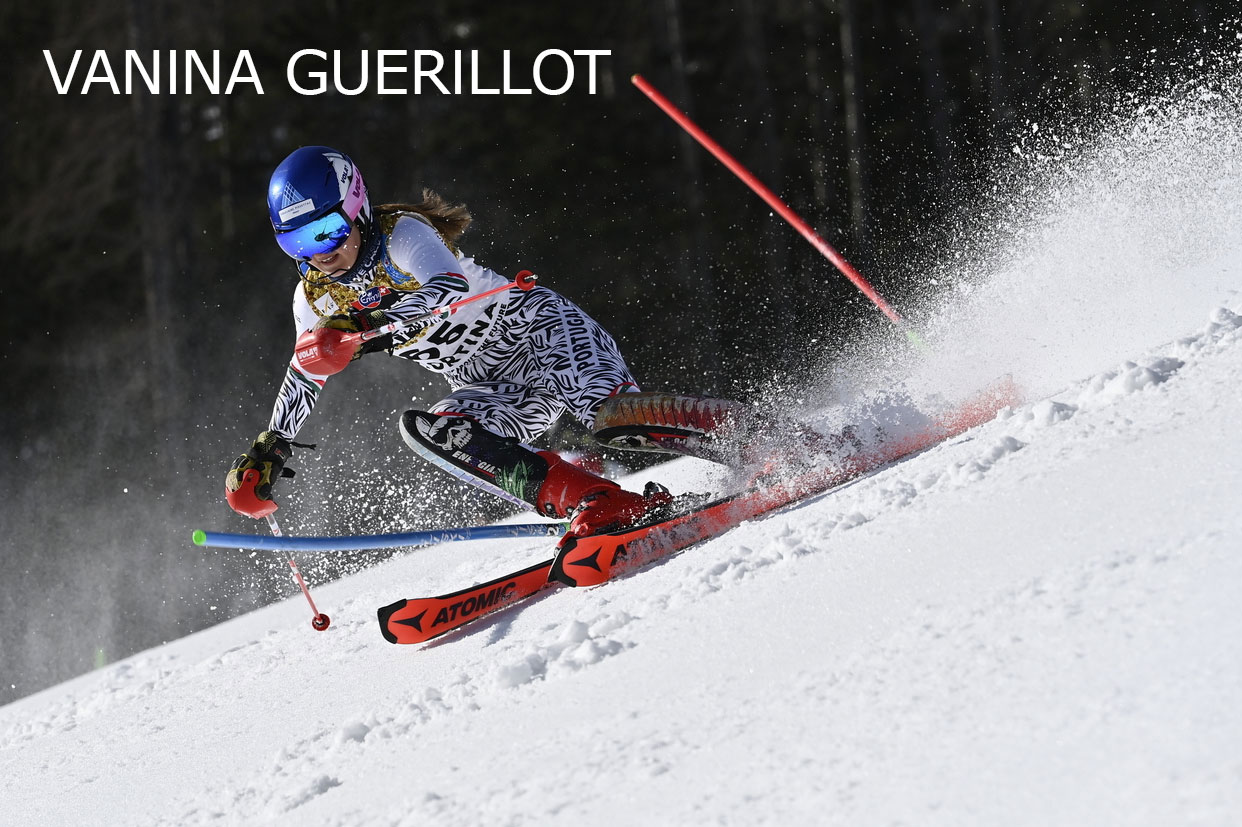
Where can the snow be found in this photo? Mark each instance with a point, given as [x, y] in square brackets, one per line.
[1035, 623]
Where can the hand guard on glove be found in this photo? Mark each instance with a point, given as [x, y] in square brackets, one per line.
[329, 346]
[248, 486]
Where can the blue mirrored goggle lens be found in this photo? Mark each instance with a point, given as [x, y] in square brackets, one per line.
[323, 235]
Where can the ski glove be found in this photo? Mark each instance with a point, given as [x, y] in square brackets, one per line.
[353, 322]
[248, 486]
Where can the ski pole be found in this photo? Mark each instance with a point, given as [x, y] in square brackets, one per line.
[320, 621]
[782, 209]
[326, 350]
[524, 280]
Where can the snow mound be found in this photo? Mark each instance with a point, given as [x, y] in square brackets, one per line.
[1033, 623]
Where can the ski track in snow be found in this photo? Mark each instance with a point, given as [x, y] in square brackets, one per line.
[284, 727]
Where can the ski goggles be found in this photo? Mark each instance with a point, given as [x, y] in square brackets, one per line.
[323, 235]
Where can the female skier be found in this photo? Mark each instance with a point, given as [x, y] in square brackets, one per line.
[514, 361]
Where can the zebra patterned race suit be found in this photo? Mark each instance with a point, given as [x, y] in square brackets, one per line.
[514, 362]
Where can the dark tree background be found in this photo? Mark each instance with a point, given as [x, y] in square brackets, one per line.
[147, 309]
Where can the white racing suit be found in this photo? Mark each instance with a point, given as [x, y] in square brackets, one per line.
[514, 361]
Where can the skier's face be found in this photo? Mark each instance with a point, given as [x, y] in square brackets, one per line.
[340, 259]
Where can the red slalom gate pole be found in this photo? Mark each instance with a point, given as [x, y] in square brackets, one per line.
[774, 201]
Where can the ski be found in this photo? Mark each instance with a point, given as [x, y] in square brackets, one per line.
[595, 559]
[589, 561]
[423, 618]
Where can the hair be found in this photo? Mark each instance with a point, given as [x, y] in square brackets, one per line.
[450, 220]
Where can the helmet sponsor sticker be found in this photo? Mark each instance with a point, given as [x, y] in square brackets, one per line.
[294, 210]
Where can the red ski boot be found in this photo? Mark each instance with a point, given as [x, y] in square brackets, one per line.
[593, 504]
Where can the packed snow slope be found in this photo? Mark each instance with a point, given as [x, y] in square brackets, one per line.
[1034, 623]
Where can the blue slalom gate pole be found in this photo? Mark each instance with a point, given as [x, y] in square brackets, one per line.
[217, 539]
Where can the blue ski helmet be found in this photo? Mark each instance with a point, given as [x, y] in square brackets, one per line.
[313, 199]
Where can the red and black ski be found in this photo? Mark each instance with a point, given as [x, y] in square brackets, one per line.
[421, 619]
[583, 561]
[589, 561]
